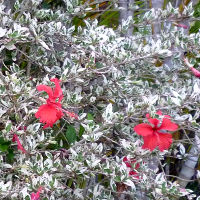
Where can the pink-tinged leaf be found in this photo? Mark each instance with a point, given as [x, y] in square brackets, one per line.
[129, 163]
[22, 128]
[134, 174]
[71, 114]
[19, 145]
[182, 26]
[36, 196]
[143, 129]
[195, 72]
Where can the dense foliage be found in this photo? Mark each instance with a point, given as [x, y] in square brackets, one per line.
[91, 143]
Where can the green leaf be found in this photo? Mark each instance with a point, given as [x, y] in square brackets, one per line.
[110, 19]
[195, 28]
[197, 10]
[81, 131]
[4, 144]
[70, 182]
[14, 34]
[71, 134]
[10, 155]
[3, 147]
[90, 117]
[8, 128]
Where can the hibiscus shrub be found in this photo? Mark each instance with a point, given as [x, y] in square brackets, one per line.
[87, 113]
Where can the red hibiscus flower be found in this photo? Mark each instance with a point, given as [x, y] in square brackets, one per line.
[36, 196]
[52, 111]
[153, 134]
[129, 163]
[19, 145]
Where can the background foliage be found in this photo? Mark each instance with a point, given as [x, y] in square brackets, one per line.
[111, 79]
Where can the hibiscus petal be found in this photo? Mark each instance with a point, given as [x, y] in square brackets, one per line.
[168, 125]
[143, 129]
[48, 114]
[57, 91]
[165, 141]
[154, 121]
[148, 115]
[159, 112]
[45, 88]
[150, 142]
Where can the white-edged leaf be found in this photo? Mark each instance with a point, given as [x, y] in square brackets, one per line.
[44, 44]
[130, 183]
[2, 32]
[176, 101]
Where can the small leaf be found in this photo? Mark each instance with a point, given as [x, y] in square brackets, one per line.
[2, 32]
[10, 46]
[4, 145]
[81, 131]
[10, 155]
[130, 183]
[90, 117]
[8, 128]
[44, 44]
[71, 134]
[177, 101]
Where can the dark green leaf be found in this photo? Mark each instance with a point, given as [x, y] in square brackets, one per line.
[195, 28]
[10, 155]
[81, 131]
[71, 134]
[4, 144]
[3, 147]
